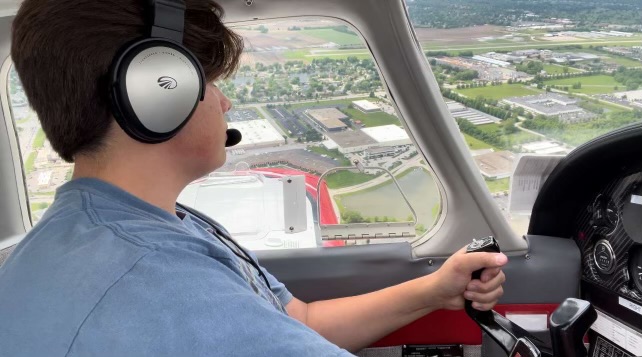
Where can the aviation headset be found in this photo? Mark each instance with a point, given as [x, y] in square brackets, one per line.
[155, 82]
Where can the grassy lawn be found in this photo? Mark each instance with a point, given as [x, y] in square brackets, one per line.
[372, 119]
[498, 92]
[331, 153]
[330, 35]
[307, 56]
[555, 69]
[590, 85]
[623, 61]
[344, 102]
[498, 185]
[346, 178]
[31, 159]
[297, 55]
[476, 144]
[39, 140]
[516, 138]
[38, 206]
[589, 80]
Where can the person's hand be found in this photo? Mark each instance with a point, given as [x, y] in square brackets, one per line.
[455, 284]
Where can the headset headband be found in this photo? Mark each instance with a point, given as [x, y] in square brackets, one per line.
[167, 18]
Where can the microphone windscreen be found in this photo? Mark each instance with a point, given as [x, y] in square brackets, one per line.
[233, 137]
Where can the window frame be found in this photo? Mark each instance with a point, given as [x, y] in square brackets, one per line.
[14, 146]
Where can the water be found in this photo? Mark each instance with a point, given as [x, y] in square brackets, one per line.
[418, 186]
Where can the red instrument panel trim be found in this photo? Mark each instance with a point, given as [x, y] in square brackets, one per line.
[453, 327]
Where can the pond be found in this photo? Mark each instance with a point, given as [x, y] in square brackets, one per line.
[386, 200]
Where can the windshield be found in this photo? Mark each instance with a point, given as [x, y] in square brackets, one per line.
[526, 77]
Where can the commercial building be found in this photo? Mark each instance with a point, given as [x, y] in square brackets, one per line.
[495, 165]
[545, 148]
[491, 61]
[366, 106]
[379, 152]
[458, 110]
[349, 141]
[328, 119]
[549, 104]
[388, 135]
[257, 134]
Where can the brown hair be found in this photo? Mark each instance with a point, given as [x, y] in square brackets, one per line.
[62, 51]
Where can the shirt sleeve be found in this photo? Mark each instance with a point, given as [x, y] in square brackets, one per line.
[188, 304]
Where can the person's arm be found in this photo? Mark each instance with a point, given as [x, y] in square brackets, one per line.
[356, 322]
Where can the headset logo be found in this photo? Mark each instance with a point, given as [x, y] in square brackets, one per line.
[167, 82]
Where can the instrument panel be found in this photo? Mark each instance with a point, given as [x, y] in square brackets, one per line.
[609, 235]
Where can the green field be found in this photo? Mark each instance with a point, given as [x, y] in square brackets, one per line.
[346, 178]
[623, 61]
[517, 138]
[330, 35]
[476, 144]
[39, 140]
[590, 85]
[308, 56]
[372, 119]
[31, 159]
[555, 69]
[498, 92]
[344, 102]
[38, 206]
[500, 185]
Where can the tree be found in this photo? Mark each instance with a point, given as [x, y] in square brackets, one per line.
[352, 217]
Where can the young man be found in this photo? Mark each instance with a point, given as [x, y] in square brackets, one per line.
[113, 269]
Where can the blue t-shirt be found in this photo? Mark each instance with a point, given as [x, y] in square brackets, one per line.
[107, 274]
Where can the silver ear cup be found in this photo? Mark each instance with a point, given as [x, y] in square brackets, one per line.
[163, 87]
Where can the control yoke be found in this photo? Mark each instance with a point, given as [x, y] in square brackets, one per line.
[569, 322]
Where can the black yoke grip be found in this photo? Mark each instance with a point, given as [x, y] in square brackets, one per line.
[489, 245]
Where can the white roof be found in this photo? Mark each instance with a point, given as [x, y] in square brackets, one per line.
[539, 145]
[630, 95]
[366, 105]
[553, 150]
[256, 132]
[44, 178]
[330, 144]
[387, 133]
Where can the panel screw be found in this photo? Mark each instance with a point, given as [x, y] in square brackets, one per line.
[291, 228]
[289, 180]
[430, 262]
[527, 256]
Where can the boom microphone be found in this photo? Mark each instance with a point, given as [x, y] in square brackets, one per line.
[233, 137]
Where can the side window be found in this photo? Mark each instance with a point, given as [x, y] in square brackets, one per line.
[43, 168]
[311, 105]
[529, 87]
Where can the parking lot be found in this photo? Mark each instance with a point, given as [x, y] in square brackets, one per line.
[236, 115]
[288, 121]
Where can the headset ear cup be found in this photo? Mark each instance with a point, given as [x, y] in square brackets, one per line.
[155, 87]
